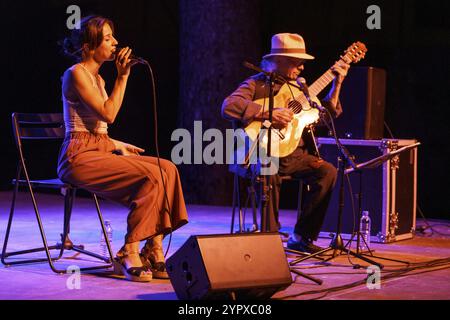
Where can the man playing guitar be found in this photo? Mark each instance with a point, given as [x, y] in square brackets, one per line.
[246, 105]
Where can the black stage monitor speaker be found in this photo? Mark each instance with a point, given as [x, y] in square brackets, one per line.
[230, 266]
[363, 98]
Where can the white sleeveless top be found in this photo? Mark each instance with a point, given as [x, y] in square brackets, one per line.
[79, 117]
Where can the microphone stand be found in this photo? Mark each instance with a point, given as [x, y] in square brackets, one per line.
[266, 185]
[345, 160]
[264, 180]
[304, 88]
[370, 165]
[337, 244]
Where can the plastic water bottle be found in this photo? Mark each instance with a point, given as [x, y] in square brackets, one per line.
[364, 228]
[109, 233]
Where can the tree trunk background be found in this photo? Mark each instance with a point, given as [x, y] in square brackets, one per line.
[210, 69]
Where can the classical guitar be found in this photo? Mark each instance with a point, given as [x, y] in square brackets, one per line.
[285, 141]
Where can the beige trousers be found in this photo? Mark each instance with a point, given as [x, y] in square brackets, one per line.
[87, 161]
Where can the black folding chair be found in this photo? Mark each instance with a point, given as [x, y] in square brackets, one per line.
[46, 126]
[251, 197]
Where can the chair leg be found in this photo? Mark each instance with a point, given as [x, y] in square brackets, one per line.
[237, 199]
[102, 222]
[68, 244]
[46, 248]
[251, 196]
[255, 226]
[11, 213]
[300, 195]
[233, 214]
[241, 216]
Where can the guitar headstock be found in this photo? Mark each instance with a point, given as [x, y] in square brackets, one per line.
[355, 53]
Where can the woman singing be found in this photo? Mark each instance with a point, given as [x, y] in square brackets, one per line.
[112, 169]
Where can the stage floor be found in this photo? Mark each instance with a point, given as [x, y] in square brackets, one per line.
[37, 281]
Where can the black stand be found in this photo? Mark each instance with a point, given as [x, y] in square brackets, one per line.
[337, 244]
[266, 185]
[264, 180]
[359, 169]
[358, 231]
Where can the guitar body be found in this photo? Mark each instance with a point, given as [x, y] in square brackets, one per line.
[286, 140]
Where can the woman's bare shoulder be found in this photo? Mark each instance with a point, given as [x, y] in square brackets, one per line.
[72, 74]
[76, 74]
[74, 70]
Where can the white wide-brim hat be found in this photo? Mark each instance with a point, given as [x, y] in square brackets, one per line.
[288, 45]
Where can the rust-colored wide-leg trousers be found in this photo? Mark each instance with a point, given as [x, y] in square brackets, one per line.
[87, 161]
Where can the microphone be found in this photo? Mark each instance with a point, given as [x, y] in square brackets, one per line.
[304, 87]
[268, 74]
[132, 57]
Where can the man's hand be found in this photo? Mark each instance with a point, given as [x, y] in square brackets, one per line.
[280, 117]
[340, 69]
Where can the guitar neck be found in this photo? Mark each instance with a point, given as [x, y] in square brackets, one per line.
[321, 83]
[353, 54]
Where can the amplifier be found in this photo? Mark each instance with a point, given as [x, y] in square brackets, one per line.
[363, 98]
[388, 191]
[243, 266]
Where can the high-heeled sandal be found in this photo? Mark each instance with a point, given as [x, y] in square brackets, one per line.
[136, 274]
[150, 253]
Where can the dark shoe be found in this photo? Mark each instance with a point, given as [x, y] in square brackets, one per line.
[284, 236]
[303, 246]
[152, 256]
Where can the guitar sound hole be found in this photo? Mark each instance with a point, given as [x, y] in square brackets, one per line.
[295, 106]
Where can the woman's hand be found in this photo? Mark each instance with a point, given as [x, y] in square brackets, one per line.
[127, 149]
[123, 62]
[130, 150]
